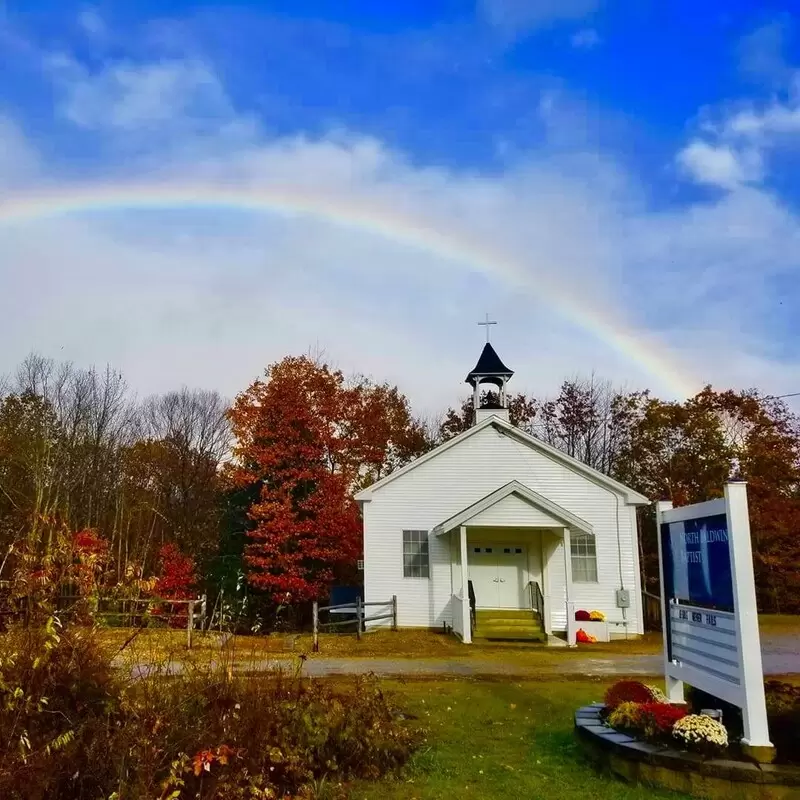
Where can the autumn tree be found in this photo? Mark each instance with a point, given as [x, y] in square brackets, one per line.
[685, 452]
[589, 420]
[29, 451]
[76, 447]
[308, 438]
[522, 412]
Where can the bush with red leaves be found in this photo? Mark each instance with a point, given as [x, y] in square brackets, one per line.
[582, 616]
[177, 580]
[658, 719]
[627, 692]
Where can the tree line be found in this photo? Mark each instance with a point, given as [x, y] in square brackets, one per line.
[259, 491]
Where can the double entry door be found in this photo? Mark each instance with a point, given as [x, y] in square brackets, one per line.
[498, 575]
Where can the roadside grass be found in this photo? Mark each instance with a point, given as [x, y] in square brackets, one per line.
[158, 644]
[779, 624]
[499, 739]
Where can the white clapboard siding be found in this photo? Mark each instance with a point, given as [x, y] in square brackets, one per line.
[513, 511]
[460, 476]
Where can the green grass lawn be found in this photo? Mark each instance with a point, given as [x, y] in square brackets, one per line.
[499, 739]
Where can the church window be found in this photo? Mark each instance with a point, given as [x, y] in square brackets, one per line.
[416, 562]
[584, 558]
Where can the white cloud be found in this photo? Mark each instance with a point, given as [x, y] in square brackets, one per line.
[735, 144]
[719, 165]
[176, 296]
[92, 24]
[525, 16]
[585, 39]
[134, 96]
[762, 52]
[19, 163]
[774, 120]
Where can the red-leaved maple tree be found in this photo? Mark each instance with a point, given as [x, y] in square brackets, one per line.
[177, 574]
[308, 438]
[177, 580]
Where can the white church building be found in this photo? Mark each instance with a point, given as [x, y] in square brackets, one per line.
[496, 534]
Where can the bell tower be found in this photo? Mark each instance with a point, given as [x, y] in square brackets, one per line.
[489, 369]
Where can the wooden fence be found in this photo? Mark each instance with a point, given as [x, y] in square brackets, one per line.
[651, 607]
[129, 611]
[358, 611]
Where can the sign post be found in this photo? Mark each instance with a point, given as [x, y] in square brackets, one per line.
[710, 618]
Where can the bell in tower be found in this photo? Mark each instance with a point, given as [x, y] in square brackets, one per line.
[489, 370]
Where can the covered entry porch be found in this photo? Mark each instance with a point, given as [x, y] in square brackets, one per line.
[511, 566]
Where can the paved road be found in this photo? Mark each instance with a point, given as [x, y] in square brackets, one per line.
[781, 656]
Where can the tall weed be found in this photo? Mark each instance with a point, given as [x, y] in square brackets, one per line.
[72, 726]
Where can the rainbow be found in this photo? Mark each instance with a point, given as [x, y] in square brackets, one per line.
[366, 215]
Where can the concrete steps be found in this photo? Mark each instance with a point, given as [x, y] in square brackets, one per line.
[508, 625]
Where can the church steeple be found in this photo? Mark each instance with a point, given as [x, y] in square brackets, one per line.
[489, 369]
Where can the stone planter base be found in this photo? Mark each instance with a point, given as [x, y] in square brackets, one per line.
[655, 765]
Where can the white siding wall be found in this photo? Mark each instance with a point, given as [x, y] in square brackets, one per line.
[459, 477]
[510, 511]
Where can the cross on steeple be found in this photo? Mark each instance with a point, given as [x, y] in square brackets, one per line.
[487, 323]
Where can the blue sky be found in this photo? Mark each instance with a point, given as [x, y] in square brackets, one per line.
[632, 159]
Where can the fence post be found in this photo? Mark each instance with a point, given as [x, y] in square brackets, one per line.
[394, 612]
[190, 625]
[203, 612]
[315, 613]
[359, 615]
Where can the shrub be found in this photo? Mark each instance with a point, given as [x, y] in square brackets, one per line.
[177, 580]
[59, 702]
[71, 728]
[582, 616]
[658, 719]
[656, 694]
[626, 716]
[783, 713]
[627, 691]
[701, 734]
[781, 696]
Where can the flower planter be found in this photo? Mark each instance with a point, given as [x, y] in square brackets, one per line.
[597, 629]
[663, 766]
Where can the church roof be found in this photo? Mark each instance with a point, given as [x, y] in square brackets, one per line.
[523, 492]
[502, 427]
[489, 365]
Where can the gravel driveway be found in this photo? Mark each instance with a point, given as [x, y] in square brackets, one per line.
[781, 654]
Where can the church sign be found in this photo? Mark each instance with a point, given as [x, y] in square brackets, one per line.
[710, 619]
[697, 557]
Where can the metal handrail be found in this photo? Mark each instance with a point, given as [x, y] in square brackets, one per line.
[537, 600]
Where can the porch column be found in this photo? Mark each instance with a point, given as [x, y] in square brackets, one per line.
[546, 551]
[466, 618]
[571, 631]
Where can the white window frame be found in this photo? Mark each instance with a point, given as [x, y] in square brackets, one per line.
[416, 547]
[583, 552]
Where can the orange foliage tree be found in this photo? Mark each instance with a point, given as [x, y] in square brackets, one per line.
[307, 438]
[684, 452]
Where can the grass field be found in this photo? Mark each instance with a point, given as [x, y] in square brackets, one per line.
[154, 644]
[499, 739]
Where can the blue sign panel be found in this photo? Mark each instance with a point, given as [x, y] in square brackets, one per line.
[697, 562]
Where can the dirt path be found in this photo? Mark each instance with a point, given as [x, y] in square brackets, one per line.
[781, 655]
